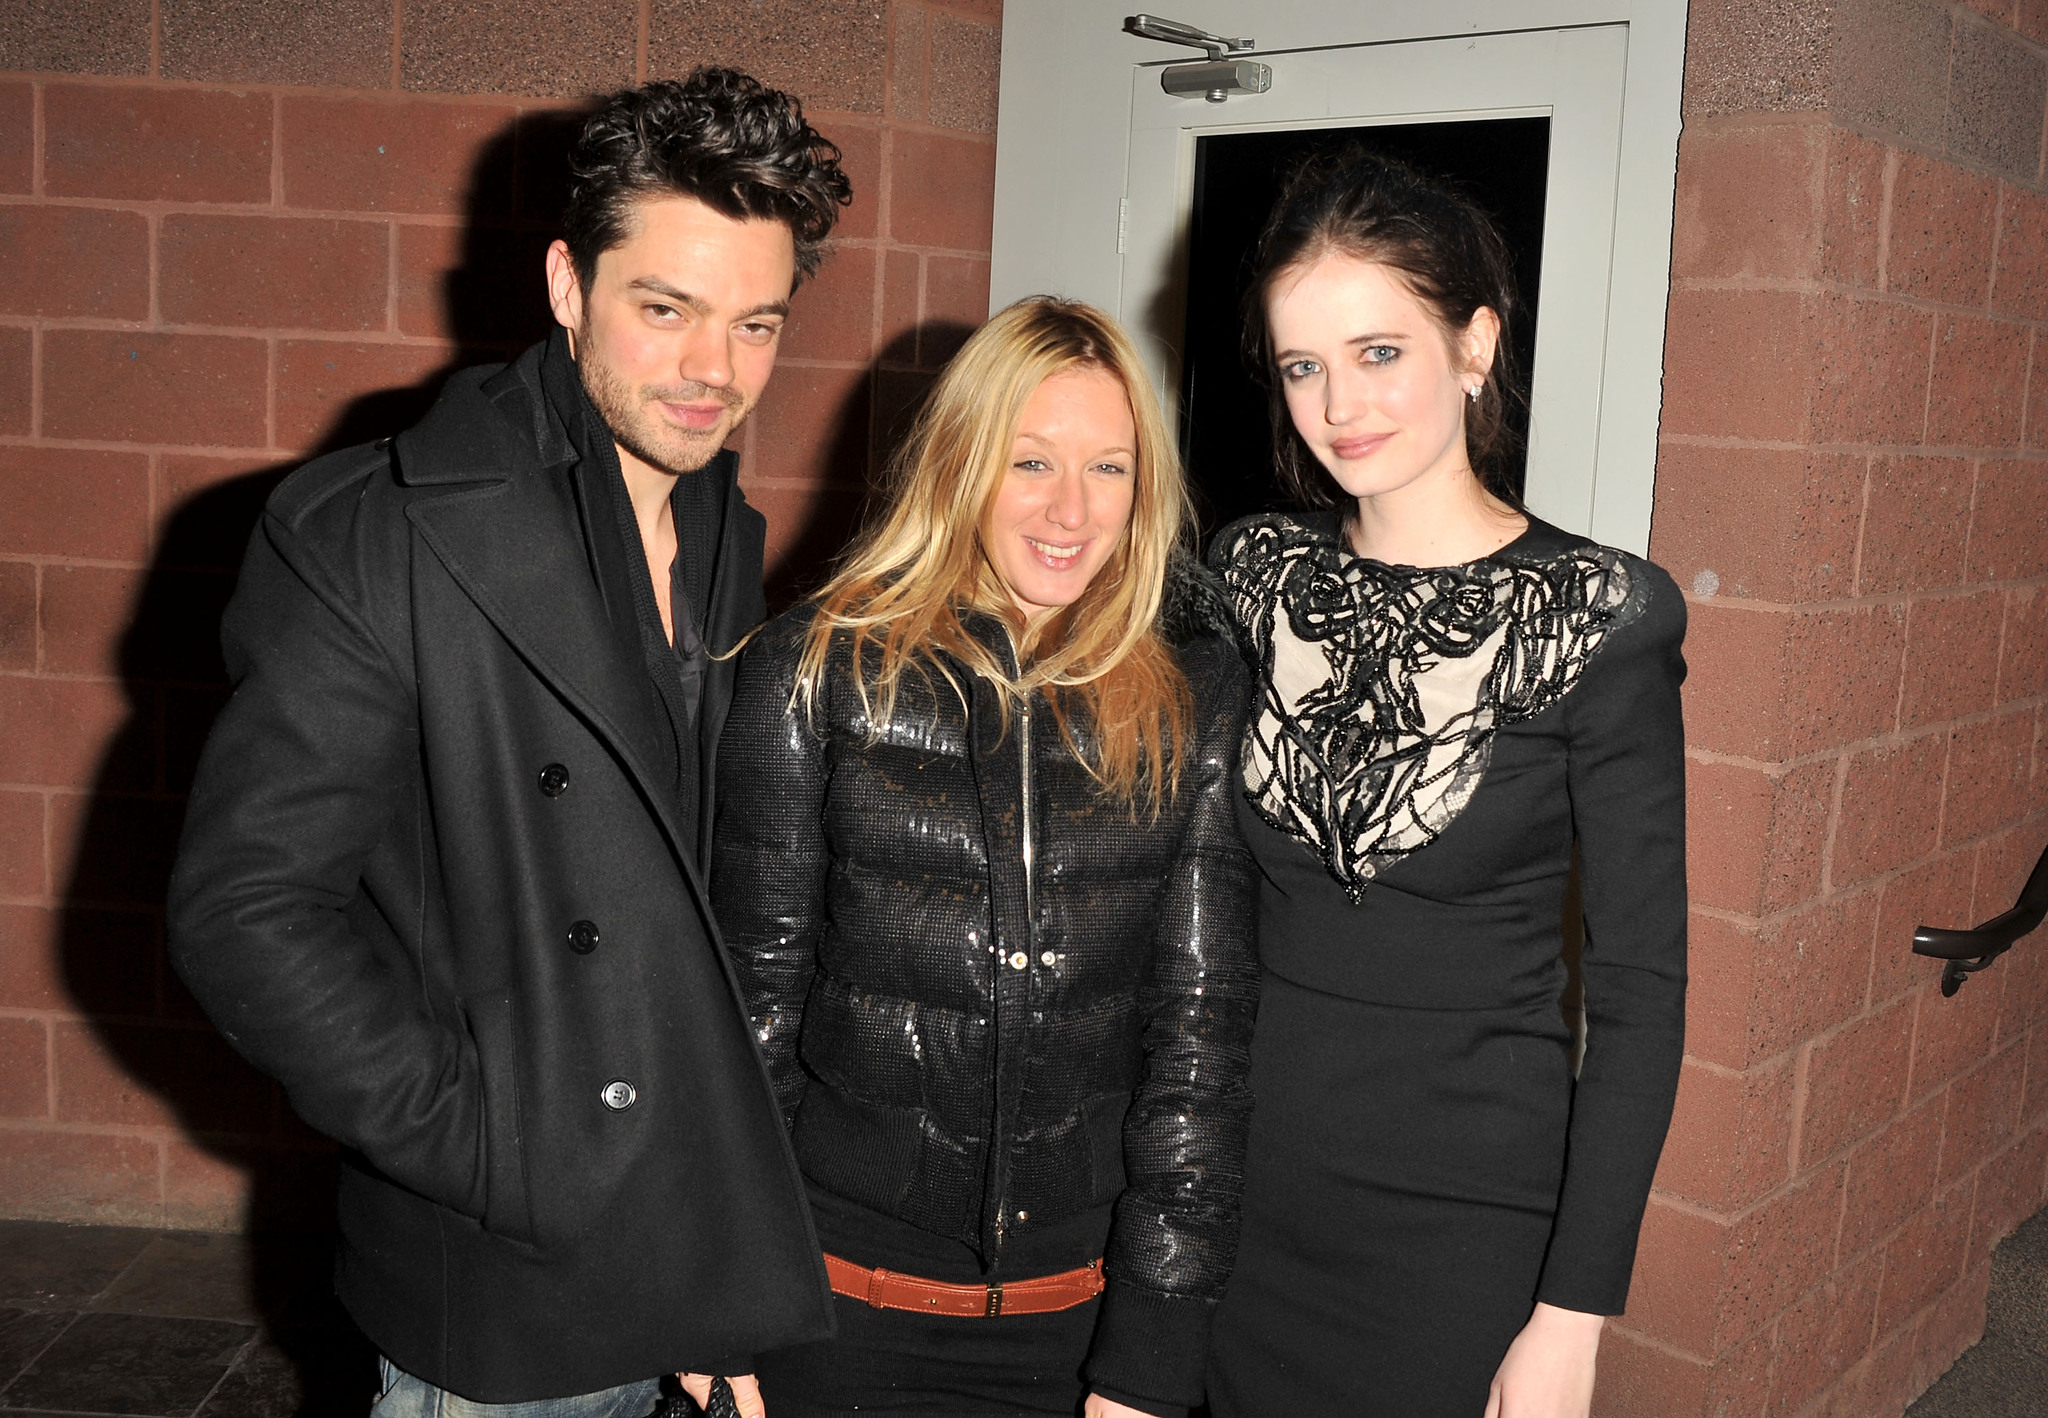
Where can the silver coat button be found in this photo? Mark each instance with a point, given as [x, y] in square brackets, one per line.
[1048, 959]
[619, 1095]
[1019, 960]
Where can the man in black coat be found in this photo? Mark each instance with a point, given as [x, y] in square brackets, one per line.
[443, 870]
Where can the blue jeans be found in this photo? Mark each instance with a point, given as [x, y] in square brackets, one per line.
[407, 1397]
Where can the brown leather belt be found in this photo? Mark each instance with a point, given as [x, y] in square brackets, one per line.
[889, 1290]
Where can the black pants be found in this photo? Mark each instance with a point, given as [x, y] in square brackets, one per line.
[895, 1361]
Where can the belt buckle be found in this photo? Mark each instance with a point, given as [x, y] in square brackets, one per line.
[995, 1301]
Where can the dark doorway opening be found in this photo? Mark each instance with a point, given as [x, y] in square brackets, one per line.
[1225, 434]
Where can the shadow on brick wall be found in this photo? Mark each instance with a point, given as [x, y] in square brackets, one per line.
[236, 1135]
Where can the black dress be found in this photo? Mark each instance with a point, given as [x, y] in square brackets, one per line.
[1428, 746]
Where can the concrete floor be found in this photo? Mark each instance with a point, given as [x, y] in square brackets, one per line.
[175, 1324]
[2005, 1375]
[170, 1324]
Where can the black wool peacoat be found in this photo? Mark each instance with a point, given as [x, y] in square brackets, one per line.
[433, 881]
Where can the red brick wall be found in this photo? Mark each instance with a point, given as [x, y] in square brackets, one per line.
[233, 234]
[1852, 487]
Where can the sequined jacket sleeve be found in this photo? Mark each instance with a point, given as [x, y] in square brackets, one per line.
[770, 855]
[1175, 1236]
[1626, 776]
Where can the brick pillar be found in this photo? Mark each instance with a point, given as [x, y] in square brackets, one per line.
[236, 234]
[1850, 488]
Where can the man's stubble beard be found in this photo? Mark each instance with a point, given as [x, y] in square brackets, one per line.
[624, 411]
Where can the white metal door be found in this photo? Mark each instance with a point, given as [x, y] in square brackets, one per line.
[1608, 189]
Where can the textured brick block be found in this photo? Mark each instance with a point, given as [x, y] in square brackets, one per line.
[24, 1068]
[247, 1187]
[86, 609]
[860, 158]
[955, 305]
[157, 1075]
[1771, 684]
[18, 618]
[1735, 364]
[1926, 1257]
[1941, 231]
[1917, 524]
[66, 502]
[1936, 893]
[1678, 1277]
[331, 394]
[902, 306]
[17, 379]
[955, 183]
[1755, 841]
[1748, 202]
[1757, 57]
[2005, 526]
[1636, 1376]
[141, 387]
[1720, 988]
[1731, 1134]
[337, 43]
[1954, 1035]
[58, 731]
[2023, 660]
[22, 858]
[1996, 92]
[1890, 66]
[1762, 523]
[1953, 1323]
[111, 37]
[1892, 1176]
[1855, 1081]
[808, 525]
[174, 145]
[1983, 1112]
[1989, 769]
[69, 1176]
[1870, 379]
[1890, 809]
[385, 155]
[74, 261]
[210, 505]
[1825, 1331]
[1852, 208]
[479, 286]
[833, 54]
[966, 60]
[273, 272]
[2009, 1191]
[1951, 657]
[1979, 385]
[2020, 284]
[1777, 1252]
[812, 426]
[1812, 972]
[833, 317]
[17, 137]
[2034, 1103]
[535, 47]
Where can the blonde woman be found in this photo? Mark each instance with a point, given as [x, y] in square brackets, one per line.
[979, 872]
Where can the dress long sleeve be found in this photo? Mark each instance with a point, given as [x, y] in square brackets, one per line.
[1626, 775]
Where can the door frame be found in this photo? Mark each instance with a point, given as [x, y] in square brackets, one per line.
[1063, 121]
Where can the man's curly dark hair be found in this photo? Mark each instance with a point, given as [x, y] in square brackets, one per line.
[721, 136]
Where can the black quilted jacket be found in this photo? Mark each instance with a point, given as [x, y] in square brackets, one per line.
[988, 996]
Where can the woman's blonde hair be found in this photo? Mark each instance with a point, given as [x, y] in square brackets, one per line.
[914, 572]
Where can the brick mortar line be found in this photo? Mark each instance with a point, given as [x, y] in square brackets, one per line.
[1736, 443]
[162, 1132]
[1789, 285]
[1841, 604]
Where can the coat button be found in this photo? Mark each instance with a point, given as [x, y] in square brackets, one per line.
[619, 1095]
[554, 780]
[1048, 960]
[1019, 960]
[583, 937]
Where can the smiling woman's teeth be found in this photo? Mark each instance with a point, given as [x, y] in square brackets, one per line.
[1056, 553]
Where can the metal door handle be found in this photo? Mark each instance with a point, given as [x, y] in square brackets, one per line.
[1970, 951]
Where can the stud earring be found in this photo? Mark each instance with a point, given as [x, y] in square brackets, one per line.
[1472, 393]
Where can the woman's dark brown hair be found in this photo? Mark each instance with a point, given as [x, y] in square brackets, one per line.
[720, 136]
[1442, 245]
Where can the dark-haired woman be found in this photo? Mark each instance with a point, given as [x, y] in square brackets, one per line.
[980, 873]
[1452, 695]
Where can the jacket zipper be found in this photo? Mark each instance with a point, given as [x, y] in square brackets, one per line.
[1024, 772]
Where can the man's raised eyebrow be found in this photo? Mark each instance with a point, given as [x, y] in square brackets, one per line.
[695, 304]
